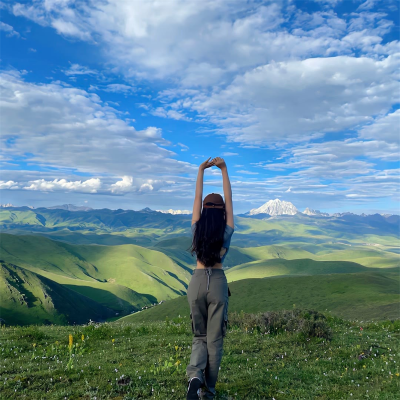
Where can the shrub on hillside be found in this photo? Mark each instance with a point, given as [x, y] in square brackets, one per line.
[306, 323]
[32, 333]
[98, 331]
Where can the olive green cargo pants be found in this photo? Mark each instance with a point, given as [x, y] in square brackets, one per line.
[208, 300]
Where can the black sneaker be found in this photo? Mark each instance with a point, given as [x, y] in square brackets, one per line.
[193, 389]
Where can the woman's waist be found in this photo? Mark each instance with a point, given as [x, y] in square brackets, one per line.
[214, 267]
[217, 271]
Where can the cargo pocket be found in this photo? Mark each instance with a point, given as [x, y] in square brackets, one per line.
[225, 321]
[191, 322]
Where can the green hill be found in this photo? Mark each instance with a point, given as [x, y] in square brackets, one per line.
[279, 267]
[28, 298]
[365, 296]
[368, 256]
[143, 270]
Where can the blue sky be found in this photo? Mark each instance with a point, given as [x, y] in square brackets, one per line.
[115, 103]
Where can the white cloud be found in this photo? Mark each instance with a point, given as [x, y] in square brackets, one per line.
[269, 81]
[146, 187]
[8, 185]
[65, 127]
[333, 2]
[9, 29]
[386, 128]
[247, 172]
[119, 88]
[229, 154]
[263, 73]
[368, 4]
[296, 100]
[89, 186]
[76, 69]
[183, 147]
[124, 185]
[164, 113]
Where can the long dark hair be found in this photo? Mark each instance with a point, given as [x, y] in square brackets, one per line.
[208, 236]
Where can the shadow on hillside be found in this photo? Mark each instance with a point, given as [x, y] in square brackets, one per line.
[110, 300]
[178, 292]
[179, 280]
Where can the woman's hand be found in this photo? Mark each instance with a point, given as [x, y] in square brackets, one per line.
[219, 162]
[206, 164]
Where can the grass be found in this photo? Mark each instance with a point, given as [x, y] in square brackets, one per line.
[280, 266]
[148, 272]
[28, 298]
[148, 361]
[366, 295]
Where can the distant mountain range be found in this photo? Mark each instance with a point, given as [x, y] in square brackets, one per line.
[271, 208]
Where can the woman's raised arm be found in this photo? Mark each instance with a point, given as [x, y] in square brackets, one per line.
[220, 163]
[198, 197]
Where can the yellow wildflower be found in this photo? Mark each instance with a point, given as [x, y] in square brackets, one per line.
[176, 348]
[113, 340]
[34, 345]
[397, 374]
[364, 366]
[83, 338]
[71, 341]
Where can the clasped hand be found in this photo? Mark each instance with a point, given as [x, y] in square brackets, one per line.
[215, 162]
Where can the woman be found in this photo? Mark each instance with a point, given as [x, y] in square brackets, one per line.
[208, 292]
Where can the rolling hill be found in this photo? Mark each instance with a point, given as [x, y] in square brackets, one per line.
[28, 298]
[279, 267]
[124, 260]
[363, 296]
[148, 272]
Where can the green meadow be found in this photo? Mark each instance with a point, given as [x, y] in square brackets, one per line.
[127, 360]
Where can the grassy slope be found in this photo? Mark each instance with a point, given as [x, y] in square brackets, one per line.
[28, 298]
[117, 297]
[279, 267]
[365, 295]
[143, 270]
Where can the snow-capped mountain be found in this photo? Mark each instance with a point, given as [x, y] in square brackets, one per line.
[6, 205]
[275, 207]
[175, 212]
[310, 211]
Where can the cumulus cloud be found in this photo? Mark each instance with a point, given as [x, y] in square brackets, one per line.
[65, 127]
[298, 100]
[124, 185]
[261, 73]
[270, 82]
[89, 186]
[8, 185]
